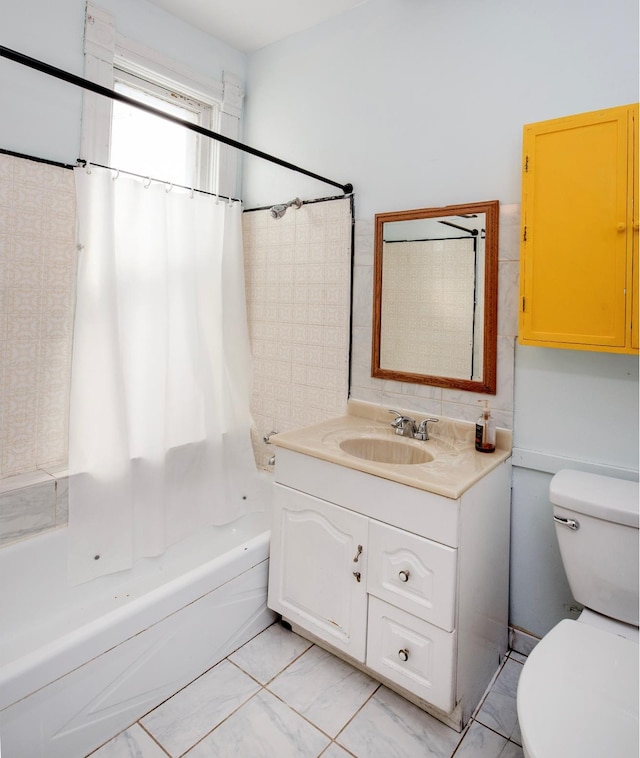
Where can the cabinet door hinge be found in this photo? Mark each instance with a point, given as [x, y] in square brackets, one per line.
[526, 164]
[524, 234]
[523, 308]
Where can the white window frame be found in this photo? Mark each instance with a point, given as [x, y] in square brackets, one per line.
[206, 114]
[107, 54]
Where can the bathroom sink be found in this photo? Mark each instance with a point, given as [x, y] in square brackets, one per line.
[446, 464]
[385, 450]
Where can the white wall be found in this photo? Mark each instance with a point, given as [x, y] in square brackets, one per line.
[420, 103]
[41, 115]
[574, 409]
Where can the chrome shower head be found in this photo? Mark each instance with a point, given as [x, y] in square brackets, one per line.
[278, 211]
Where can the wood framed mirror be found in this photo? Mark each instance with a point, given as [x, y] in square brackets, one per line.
[435, 296]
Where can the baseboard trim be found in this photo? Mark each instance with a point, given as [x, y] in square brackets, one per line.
[522, 642]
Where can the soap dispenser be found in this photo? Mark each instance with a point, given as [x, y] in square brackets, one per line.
[485, 432]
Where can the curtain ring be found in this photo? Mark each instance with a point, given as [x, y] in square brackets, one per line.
[88, 167]
[147, 182]
[169, 187]
[117, 174]
[191, 195]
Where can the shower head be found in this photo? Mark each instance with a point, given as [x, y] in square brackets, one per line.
[278, 211]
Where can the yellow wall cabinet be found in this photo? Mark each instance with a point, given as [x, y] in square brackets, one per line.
[579, 244]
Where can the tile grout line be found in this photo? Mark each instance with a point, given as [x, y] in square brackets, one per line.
[159, 744]
[220, 723]
[472, 718]
[486, 695]
[262, 688]
[335, 739]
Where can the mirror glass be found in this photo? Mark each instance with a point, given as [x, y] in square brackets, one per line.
[435, 296]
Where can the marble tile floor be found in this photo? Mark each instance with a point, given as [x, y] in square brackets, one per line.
[280, 696]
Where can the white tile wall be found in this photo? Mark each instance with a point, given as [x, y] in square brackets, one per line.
[298, 279]
[37, 276]
[37, 290]
[421, 398]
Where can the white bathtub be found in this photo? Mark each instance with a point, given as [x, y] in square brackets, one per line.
[79, 664]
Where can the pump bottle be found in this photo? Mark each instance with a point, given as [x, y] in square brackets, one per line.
[485, 432]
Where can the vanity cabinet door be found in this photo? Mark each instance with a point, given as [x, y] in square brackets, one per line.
[414, 573]
[578, 239]
[317, 572]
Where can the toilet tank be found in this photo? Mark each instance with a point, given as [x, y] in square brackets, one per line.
[597, 528]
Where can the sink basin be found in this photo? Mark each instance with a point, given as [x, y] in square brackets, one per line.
[385, 450]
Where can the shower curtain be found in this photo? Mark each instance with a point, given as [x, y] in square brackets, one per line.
[159, 438]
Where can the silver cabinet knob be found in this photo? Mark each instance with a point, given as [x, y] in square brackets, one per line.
[403, 655]
[403, 576]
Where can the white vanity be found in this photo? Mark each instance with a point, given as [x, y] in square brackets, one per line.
[401, 568]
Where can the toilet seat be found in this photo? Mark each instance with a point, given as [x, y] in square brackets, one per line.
[578, 695]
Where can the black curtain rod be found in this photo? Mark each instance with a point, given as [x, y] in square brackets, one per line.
[36, 159]
[87, 164]
[81, 163]
[78, 81]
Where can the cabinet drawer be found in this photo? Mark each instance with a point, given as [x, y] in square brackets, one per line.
[413, 573]
[412, 653]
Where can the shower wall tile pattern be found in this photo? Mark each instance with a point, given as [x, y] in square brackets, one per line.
[298, 280]
[37, 280]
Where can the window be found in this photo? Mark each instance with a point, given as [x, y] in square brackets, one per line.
[148, 145]
[152, 146]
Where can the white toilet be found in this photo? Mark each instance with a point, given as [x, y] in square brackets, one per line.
[578, 691]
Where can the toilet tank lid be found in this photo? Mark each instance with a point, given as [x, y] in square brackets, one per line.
[603, 497]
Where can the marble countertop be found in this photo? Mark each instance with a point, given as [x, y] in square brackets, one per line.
[456, 465]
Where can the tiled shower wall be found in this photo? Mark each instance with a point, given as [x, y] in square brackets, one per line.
[298, 280]
[37, 275]
[37, 279]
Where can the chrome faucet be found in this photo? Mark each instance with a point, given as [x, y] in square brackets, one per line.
[407, 427]
[422, 433]
[403, 425]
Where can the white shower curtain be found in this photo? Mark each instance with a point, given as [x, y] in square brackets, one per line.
[159, 439]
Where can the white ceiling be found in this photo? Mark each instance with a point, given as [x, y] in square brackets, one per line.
[248, 25]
